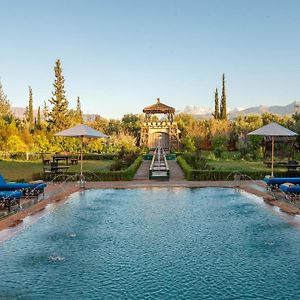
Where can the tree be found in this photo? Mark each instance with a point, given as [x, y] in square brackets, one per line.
[58, 118]
[131, 124]
[223, 108]
[45, 111]
[38, 123]
[29, 110]
[216, 114]
[5, 111]
[78, 113]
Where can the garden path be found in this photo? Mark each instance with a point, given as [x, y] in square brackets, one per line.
[175, 171]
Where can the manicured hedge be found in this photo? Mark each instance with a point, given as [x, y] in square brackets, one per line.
[214, 175]
[125, 175]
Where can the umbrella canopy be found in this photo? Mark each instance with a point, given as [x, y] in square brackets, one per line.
[274, 131]
[81, 131]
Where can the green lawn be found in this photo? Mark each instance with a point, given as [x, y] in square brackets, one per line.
[241, 165]
[23, 170]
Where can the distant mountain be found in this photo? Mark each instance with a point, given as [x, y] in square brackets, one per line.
[18, 112]
[275, 109]
[204, 113]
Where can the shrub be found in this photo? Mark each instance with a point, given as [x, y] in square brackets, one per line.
[125, 159]
[214, 175]
[219, 144]
[195, 160]
[188, 144]
[126, 174]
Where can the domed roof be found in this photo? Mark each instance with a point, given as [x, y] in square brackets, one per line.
[159, 108]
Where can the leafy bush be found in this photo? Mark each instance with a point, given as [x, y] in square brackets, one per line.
[125, 175]
[214, 175]
[219, 144]
[196, 160]
[188, 144]
[228, 155]
[124, 160]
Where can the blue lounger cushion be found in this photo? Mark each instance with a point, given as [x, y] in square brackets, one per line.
[281, 180]
[11, 186]
[290, 188]
[10, 195]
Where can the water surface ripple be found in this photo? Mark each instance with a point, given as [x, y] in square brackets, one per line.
[154, 244]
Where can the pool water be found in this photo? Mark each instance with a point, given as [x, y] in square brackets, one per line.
[172, 243]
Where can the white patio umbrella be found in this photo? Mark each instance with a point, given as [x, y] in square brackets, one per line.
[274, 131]
[81, 131]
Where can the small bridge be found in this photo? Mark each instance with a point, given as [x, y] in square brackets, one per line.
[159, 168]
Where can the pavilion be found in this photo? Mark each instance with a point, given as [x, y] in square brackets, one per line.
[164, 131]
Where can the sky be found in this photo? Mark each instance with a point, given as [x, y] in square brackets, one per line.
[118, 56]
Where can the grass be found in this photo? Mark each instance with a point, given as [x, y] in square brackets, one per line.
[241, 165]
[23, 170]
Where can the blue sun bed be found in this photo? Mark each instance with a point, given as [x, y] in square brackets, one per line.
[290, 188]
[28, 189]
[10, 198]
[10, 195]
[277, 181]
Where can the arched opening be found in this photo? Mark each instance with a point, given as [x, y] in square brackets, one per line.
[159, 137]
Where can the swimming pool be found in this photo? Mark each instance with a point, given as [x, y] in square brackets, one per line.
[175, 243]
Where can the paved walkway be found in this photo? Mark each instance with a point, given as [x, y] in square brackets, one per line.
[175, 171]
[143, 171]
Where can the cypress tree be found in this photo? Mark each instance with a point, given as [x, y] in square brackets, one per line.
[78, 117]
[58, 118]
[45, 111]
[216, 114]
[29, 109]
[5, 109]
[39, 121]
[223, 108]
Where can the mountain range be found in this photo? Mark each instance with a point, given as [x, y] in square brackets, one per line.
[204, 113]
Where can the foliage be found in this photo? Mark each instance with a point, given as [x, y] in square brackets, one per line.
[217, 134]
[188, 144]
[58, 117]
[14, 143]
[223, 105]
[196, 160]
[29, 110]
[131, 124]
[219, 144]
[216, 114]
[223, 174]
[127, 174]
[5, 109]
[78, 114]
[124, 160]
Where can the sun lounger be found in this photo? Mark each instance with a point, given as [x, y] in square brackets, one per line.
[9, 198]
[277, 181]
[290, 188]
[28, 189]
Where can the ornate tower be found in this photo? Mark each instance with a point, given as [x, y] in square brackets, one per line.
[164, 132]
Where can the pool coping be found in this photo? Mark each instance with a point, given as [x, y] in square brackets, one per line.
[56, 192]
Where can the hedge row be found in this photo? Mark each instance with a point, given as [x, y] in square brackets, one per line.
[38, 156]
[125, 175]
[214, 175]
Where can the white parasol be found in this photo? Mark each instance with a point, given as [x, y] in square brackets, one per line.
[81, 131]
[273, 130]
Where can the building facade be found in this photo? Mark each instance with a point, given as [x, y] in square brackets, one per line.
[164, 132]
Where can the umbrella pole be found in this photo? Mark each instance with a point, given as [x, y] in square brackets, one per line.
[272, 160]
[81, 162]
